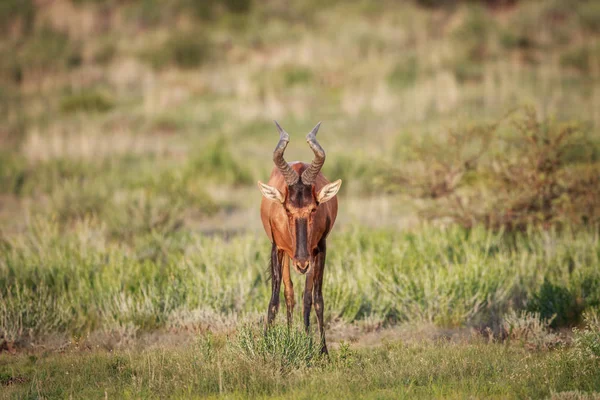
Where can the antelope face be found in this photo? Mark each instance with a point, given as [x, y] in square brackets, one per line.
[301, 203]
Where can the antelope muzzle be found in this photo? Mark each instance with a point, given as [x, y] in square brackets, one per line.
[301, 256]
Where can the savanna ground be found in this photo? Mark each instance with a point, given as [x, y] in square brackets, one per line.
[466, 257]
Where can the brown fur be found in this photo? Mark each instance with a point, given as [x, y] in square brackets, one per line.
[278, 226]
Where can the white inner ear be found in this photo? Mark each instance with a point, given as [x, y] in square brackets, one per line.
[329, 191]
[270, 192]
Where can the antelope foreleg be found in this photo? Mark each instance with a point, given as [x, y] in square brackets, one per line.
[288, 290]
[276, 261]
[318, 292]
[308, 298]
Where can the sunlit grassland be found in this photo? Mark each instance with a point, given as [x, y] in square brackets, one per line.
[132, 257]
[78, 282]
[281, 365]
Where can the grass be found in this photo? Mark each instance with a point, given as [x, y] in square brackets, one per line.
[449, 277]
[221, 366]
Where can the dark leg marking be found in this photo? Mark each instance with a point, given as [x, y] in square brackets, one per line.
[276, 262]
[308, 298]
[318, 290]
[288, 290]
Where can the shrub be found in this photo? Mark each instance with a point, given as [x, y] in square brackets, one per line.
[49, 49]
[472, 46]
[540, 174]
[436, 3]
[354, 170]
[434, 172]
[404, 74]
[210, 9]
[189, 50]
[556, 304]
[530, 329]
[184, 50]
[468, 71]
[297, 75]
[587, 341]
[216, 162]
[13, 170]
[521, 32]
[581, 59]
[475, 33]
[86, 101]
[533, 181]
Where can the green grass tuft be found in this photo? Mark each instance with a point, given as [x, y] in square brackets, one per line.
[285, 348]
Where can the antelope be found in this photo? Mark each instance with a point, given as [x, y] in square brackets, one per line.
[298, 210]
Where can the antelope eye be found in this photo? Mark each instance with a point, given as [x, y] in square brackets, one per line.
[314, 210]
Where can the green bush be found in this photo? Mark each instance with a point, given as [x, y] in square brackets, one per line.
[474, 35]
[210, 9]
[13, 172]
[48, 49]
[521, 33]
[555, 303]
[472, 43]
[541, 174]
[216, 162]
[185, 50]
[189, 51]
[297, 75]
[405, 73]
[467, 71]
[581, 58]
[86, 100]
[354, 170]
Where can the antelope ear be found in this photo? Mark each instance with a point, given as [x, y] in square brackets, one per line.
[329, 191]
[270, 192]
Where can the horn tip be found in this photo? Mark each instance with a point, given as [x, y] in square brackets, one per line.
[282, 133]
[314, 131]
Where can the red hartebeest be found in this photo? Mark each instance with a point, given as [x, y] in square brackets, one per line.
[298, 210]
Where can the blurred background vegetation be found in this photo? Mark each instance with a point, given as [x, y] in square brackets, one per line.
[134, 131]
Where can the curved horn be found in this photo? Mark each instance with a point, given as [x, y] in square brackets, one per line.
[290, 176]
[310, 174]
